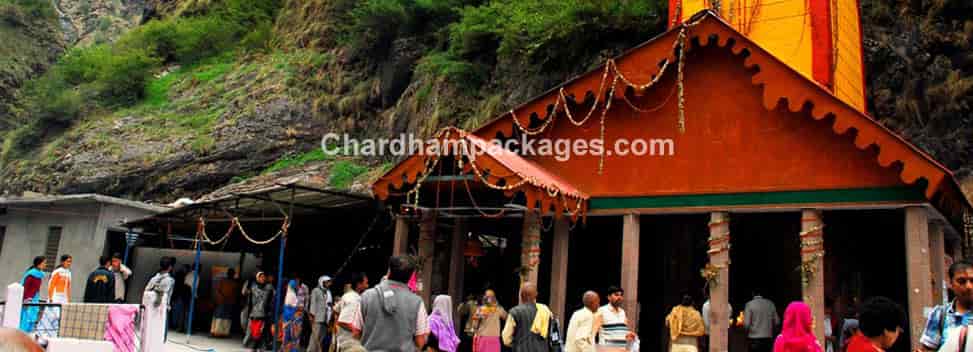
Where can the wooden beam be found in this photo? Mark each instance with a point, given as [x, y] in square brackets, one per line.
[559, 267]
[917, 268]
[631, 228]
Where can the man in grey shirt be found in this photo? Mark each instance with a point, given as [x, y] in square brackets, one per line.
[759, 319]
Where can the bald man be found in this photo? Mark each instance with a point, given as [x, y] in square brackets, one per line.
[580, 336]
[527, 326]
[12, 340]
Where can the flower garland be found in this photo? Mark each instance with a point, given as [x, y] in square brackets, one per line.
[611, 67]
[719, 242]
[412, 196]
[711, 273]
[812, 250]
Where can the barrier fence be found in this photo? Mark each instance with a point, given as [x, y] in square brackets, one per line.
[88, 327]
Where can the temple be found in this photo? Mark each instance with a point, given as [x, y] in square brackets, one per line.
[762, 171]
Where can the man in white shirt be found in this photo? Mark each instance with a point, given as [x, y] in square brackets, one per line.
[611, 324]
[580, 337]
[350, 322]
[122, 273]
[706, 322]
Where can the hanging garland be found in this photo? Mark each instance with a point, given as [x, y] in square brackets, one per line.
[719, 242]
[616, 75]
[812, 250]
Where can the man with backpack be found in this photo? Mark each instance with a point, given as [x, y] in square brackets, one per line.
[531, 327]
[946, 319]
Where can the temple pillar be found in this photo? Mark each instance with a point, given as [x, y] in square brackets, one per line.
[427, 254]
[559, 268]
[531, 246]
[457, 265]
[917, 268]
[631, 227]
[937, 260]
[812, 266]
[400, 243]
[719, 290]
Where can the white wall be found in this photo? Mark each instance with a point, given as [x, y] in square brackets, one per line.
[82, 236]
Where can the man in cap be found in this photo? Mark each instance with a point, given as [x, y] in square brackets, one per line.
[320, 311]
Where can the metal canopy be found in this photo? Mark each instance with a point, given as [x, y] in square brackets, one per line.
[271, 203]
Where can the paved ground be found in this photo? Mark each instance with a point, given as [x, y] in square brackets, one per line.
[202, 342]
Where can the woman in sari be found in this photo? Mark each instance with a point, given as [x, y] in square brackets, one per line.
[798, 332]
[293, 317]
[685, 326]
[442, 332]
[32, 293]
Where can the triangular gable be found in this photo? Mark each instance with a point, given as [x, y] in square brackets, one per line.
[777, 83]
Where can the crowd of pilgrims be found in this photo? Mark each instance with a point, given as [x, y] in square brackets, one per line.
[391, 316]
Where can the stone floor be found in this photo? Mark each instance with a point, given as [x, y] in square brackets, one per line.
[203, 342]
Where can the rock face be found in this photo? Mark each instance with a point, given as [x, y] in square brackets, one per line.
[261, 109]
[86, 22]
[30, 44]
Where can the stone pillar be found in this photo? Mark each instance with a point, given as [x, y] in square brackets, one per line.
[530, 245]
[559, 268]
[427, 251]
[719, 291]
[457, 264]
[11, 309]
[400, 244]
[812, 257]
[917, 268]
[937, 260]
[631, 228]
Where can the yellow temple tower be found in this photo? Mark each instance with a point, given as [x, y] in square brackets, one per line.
[821, 39]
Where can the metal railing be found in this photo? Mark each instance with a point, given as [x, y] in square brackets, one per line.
[79, 321]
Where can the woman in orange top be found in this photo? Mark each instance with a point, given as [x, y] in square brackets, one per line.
[59, 288]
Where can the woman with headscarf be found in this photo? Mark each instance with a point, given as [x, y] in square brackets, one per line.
[32, 293]
[442, 332]
[685, 326]
[487, 322]
[293, 318]
[797, 334]
[261, 295]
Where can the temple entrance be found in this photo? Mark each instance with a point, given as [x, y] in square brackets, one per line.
[864, 244]
[673, 250]
[595, 253]
[764, 257]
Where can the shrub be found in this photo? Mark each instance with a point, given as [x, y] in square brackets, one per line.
[183, 40]
[123, 79]
[455, 70]
[551, 33]
[375, 23]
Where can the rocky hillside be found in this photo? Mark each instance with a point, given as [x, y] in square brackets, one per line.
[204, 93]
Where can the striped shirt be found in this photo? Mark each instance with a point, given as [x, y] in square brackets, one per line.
[614, 329]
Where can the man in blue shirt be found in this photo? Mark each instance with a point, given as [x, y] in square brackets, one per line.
[947, 317]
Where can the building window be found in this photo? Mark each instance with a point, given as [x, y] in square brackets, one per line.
[53, 243]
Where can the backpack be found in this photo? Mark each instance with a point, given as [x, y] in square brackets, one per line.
[554, 335]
